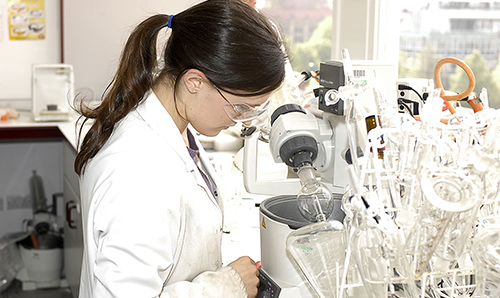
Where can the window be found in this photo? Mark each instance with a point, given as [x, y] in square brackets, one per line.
[428, 31]
[468, 30]
[307, 29]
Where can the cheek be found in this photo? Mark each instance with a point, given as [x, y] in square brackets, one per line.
[209, 117]
[214, 114]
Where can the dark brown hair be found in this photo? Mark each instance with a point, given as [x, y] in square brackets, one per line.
[235, 46]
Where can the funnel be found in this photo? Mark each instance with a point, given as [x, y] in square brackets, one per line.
[319, 251]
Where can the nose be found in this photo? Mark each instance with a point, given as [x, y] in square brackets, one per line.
[248, 123]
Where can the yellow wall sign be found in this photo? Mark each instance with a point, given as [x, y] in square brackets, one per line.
[26, 19]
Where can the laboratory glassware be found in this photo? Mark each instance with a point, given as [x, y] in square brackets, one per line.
[444, 222]
[319, 251]
[407, 180]
[486, 256]
[315, 201]
[375, 244]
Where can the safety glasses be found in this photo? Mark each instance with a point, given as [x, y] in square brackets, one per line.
[242, 112]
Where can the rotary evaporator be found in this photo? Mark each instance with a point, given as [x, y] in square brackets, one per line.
[305, 213]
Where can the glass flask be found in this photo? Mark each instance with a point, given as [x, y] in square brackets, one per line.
[375, 245]
[486, 256]
[319, 251]
[315, 201]
[446, 219]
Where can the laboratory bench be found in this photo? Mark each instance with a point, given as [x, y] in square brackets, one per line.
[241, 228]
[24, 127]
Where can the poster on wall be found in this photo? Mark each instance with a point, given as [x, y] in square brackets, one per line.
[26, 19]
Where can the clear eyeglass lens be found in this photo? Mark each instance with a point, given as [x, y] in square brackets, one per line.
[243, 112]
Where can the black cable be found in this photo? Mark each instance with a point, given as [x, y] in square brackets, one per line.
[401, 102]
[406, 87]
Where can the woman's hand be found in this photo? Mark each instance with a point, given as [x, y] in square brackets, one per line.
[247, 269]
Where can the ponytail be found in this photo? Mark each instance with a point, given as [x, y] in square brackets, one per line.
[134, 77]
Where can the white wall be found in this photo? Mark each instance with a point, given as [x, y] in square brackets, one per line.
[18, 56]
[95, 31]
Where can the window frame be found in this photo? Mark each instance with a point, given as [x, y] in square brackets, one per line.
[372, 35]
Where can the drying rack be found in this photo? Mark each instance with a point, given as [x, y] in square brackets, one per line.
[455, 282]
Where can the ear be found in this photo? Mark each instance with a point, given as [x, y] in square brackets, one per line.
[194, 80]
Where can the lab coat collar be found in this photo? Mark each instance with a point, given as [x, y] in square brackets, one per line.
[156, 116]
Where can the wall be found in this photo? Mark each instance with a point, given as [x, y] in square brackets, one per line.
[17, 57]
[95, 31]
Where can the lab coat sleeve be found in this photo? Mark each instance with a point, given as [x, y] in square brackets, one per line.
[225, 282]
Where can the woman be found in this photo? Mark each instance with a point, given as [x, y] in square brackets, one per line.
[152, 213]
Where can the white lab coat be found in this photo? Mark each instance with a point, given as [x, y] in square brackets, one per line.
[152, 227]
